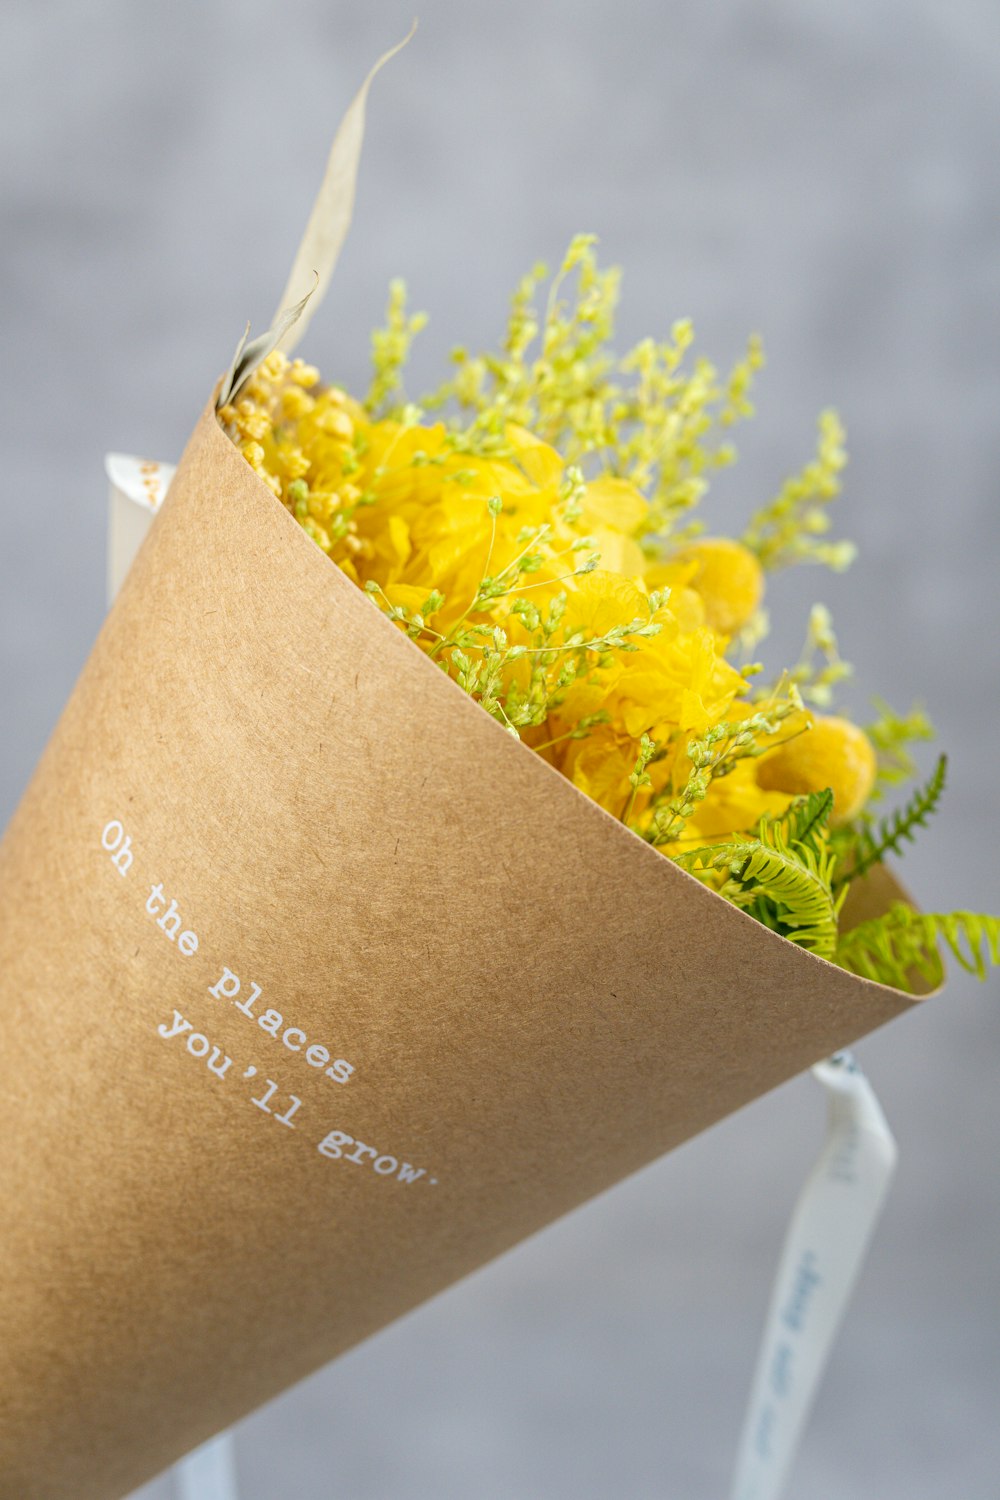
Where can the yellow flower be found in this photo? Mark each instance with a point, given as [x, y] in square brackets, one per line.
[834, 753]
[678, 680]
[734, 803]
[600, 766]
[533, 587]
[729, 580]
[602, 599]
[616, 505]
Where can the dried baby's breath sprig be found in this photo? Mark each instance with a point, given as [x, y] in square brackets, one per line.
[712, 756]
[519, 658]
[390, 351]
[820, 669]
[793, 527]
[640, 778]
[642, 417]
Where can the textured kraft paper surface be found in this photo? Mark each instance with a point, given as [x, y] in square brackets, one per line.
[533, 1002]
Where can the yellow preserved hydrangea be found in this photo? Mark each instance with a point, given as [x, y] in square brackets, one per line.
[532, 527]
[537, 589]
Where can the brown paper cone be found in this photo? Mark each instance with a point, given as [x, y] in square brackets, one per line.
[259, 779]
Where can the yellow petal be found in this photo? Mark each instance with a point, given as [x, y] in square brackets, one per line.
[540, 462]
[615, 503]
[601, 766]
[407, 595]
[391, 545]
[601, 600]
[618, 553]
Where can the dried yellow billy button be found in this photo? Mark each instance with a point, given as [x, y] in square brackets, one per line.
[834, 753]
[729, 580]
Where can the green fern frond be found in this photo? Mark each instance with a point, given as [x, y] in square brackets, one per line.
[786, 885]
[865, 846]
[806, 821]
[796, 884]
[902, 942]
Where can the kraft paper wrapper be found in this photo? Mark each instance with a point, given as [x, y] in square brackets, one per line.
[535, 1003]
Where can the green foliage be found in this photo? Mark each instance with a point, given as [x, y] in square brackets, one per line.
[640, 778]
[892, 735]
[714, 754]
[894, 947]
[865, 846]
[655, 416]
[783, 876]
[806, 823]
[792, 529]
[787, 877]
[390, 351]
[820, 668]
[660, 417]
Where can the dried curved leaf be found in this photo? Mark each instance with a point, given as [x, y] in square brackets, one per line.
[249, 355]
[321, 244]
[331, 214]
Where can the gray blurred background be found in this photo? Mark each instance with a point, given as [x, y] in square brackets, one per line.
[825, 173]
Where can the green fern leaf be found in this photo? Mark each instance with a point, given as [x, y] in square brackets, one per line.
[806, 821]
[869, 847]
[787, 887]
[794, 880]
[902, 942]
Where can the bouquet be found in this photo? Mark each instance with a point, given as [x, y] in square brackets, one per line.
[421, 851]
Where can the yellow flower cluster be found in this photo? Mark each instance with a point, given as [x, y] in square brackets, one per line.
[548, 597]
[541, 543]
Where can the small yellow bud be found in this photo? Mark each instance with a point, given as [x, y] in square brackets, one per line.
[303, 374]
[295, 403]
[335, 422]
[296, 464]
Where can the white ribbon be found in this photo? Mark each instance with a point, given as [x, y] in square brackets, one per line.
[209, 1473]
[824, 1248]
[827, 1238]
